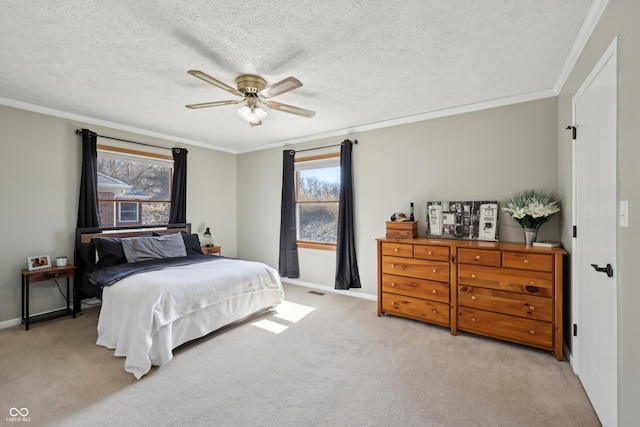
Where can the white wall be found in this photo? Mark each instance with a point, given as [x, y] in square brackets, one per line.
[620, 18]
[485, 155]
[40, 176]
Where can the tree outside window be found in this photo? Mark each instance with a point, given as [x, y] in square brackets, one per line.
[317, 201]
[134, 189]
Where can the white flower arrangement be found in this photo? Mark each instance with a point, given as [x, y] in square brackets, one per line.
[532, 208]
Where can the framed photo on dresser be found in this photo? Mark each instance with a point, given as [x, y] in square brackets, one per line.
[471, 220]
[38, 262]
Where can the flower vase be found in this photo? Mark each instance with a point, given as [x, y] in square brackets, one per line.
[530, 235]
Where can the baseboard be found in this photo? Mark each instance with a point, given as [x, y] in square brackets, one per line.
[10, 323]
[328, 289]
[18, 321]
[569, 356]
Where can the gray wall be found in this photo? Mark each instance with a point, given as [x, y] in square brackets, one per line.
[40, 175]
[620, 18]
[484, 155]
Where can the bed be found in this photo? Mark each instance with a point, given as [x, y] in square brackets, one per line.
[159, 291]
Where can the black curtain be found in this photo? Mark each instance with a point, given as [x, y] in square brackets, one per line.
[347, 275]
[88, 200]
[288, 263]
[178, 212]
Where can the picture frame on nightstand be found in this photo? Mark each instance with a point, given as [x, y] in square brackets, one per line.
[38, 262]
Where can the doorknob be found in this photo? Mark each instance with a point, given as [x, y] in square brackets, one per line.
[608, 269]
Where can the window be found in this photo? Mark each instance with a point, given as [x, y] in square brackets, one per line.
[317, 201]
[128, 212]
[134, 187]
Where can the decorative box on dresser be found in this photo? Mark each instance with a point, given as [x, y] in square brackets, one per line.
[507, 291]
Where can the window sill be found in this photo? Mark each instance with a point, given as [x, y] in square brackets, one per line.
[320, 246]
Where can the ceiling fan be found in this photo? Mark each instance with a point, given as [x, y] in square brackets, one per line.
[252, 90]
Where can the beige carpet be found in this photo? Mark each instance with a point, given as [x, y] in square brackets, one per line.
[335, 364]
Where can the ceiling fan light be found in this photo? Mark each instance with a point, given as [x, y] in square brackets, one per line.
[252, 114]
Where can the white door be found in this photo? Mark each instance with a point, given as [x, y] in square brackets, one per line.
[595, 194]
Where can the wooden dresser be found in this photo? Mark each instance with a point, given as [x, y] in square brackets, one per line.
[502, 290]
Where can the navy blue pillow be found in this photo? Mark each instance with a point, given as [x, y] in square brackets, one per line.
[109, 251]
[87, 253]
[192, 243]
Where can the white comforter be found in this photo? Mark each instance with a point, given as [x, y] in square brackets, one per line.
[145, 316]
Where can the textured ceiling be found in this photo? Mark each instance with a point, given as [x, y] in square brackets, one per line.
[362, 63]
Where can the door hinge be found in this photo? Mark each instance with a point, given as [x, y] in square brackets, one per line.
[574, 131]
[575, 231]
[575, 330]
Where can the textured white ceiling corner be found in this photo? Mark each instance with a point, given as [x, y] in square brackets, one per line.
[362, 63]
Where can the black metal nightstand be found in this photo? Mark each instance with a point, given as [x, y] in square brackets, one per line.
[29, 277]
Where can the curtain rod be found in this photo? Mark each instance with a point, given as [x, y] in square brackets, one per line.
[79, 131]
[355, 141]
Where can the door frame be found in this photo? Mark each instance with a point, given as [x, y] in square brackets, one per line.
[611, 53]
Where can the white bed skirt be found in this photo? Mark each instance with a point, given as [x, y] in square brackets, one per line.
[201, 323]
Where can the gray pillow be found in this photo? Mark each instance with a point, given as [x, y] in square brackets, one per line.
[152, 247]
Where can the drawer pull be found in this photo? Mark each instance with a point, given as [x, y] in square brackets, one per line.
[526, 261]
[434, 291]
[395, 249]
[532, 283]
[478, 257]
[532, 307]
[473, 319]
[430, 252]
[393, 266]
[532, 332]
[435, 270]
[474, 275]
[434, 311]
[473, 297]
[393, 283]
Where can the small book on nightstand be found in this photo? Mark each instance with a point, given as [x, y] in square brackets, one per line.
[544, 244]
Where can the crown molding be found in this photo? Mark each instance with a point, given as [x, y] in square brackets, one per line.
[588, 26]
[493, 103]
[98, 122]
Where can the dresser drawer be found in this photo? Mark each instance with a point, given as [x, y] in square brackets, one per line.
[410, 267]
[527, 261]
[479, 257]
[419, 288]
[506, 279]
[416, 308]
[527, 306]
[397, 249]
[435, 253]
[512, 328]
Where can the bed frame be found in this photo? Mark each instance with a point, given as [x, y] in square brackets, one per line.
[82, 289]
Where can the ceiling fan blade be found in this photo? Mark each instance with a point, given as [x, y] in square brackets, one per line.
[290, 109]
[278, 88]
[213, 104]
[207, 78]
